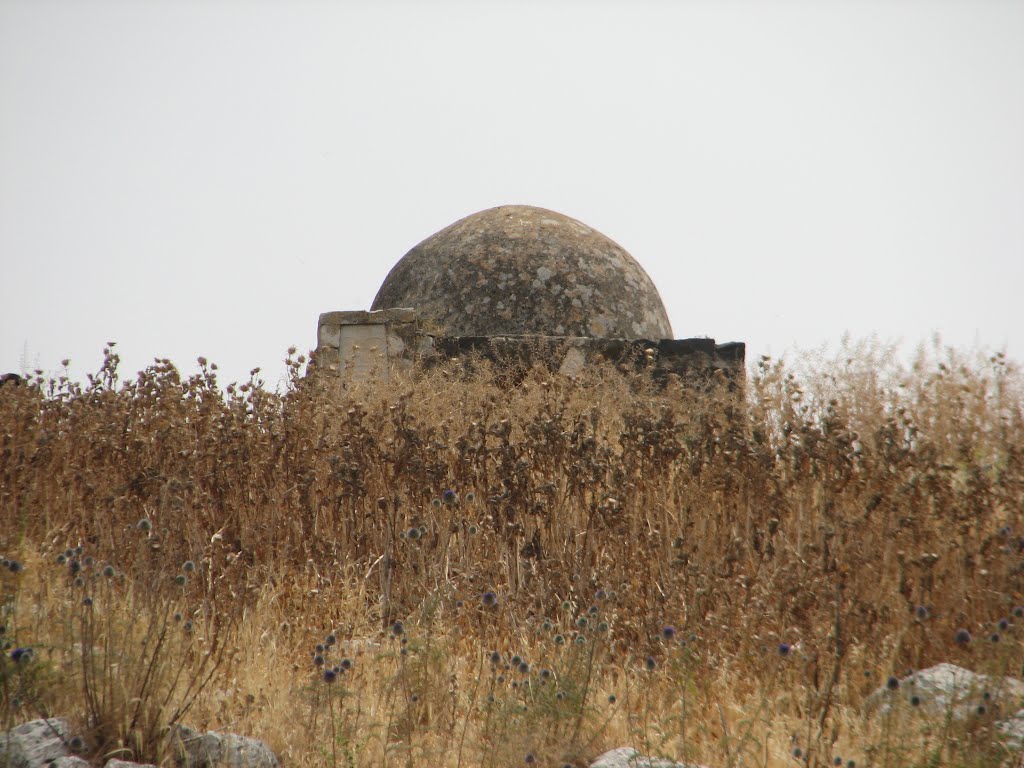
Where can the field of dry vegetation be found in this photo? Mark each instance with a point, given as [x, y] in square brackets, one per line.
[452, 569]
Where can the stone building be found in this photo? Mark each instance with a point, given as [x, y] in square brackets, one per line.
[520, 284]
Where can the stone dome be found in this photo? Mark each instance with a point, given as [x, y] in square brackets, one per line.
[519, 270]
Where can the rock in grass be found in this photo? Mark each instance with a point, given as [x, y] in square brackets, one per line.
[947, 689]
[70, 761]
[44, 744]
[34, 744]
[220, 750]
[115, 763]
[627, 757]
[1013, 730]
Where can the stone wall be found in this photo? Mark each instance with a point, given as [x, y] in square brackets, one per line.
[367, 345]
[689, 359]
[363, 345]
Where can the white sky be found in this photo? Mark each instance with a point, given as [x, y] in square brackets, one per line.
[205, 178]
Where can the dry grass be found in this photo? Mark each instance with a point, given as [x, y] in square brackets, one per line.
[855, 511]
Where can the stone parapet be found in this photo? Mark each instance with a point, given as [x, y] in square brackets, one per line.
[363, 345]
[688, 359]
[369, 345]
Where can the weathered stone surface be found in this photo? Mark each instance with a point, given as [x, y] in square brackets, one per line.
[573, 362]
[70, 761]
[220, 750]
[691, 358]
[392, 316]
[126, 764]
[363, 351]
[329, 336]
[627, 757]
[34, 744]
[1012, 730]
[520, 270]
[949, 689]
[44, 744]
[363, 345]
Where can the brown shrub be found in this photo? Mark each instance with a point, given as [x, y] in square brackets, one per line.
[818, 509]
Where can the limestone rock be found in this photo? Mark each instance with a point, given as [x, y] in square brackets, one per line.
[220, 750]
[627, 757]
[115, 763]
[949, 689]
[1013, 730]
[34, 744]
[70, 761]
[43, 744]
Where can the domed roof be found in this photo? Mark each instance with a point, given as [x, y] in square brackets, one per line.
[519, 270]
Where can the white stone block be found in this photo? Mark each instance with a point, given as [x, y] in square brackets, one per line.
[364, 352]
[330, 335]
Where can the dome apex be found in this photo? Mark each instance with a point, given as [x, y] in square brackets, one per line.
[519, 270]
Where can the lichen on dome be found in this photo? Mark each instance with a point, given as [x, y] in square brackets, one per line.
[519, 270]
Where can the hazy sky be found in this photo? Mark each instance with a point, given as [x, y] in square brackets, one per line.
[205, 178]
